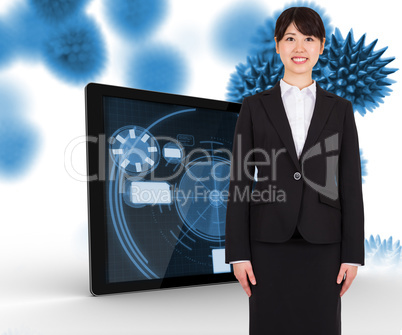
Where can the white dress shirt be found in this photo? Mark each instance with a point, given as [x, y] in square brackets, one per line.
[299, 108]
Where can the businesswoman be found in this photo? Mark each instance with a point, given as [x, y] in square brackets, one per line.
[295, 237]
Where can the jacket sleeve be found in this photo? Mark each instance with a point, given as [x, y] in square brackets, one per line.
[237, 240]
[351, 195]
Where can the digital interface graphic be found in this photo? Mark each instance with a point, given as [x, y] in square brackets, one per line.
[167, 177]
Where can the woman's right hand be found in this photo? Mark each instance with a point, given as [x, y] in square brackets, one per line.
[242, 270]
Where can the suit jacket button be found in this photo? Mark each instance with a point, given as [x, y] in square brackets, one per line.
[297, 175]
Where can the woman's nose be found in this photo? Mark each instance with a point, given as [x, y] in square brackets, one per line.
[299, 46]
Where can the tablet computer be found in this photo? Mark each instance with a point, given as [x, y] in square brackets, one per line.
[158, 169]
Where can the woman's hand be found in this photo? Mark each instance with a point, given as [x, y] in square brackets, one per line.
[242, 270]
[351, 272]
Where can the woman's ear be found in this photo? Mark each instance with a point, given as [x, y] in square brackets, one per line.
[322, 45]
[276, 45]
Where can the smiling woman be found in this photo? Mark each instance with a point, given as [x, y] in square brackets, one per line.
[296, 258]
[300, 39]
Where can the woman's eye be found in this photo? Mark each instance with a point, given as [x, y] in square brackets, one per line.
[291, 38]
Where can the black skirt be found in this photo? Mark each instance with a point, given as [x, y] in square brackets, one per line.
[296, 291]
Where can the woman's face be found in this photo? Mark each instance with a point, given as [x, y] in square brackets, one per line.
[299, 53]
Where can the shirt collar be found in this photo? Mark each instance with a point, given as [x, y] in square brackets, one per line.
[285, 87]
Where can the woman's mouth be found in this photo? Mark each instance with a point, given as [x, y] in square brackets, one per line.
[299, 60]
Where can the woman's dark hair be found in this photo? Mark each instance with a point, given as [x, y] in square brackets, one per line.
[306, 20]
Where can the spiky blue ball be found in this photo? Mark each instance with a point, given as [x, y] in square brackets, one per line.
[18, 139]
[158, 68]
[363, 163]
[11, 103]
[232, 31]
[6, 44]
[263, 40]
[255, 76]
[264, 66]
[354, 71]
[55, 11]
[135, 19]
[18, 146]
[383, 252]
[347, 68]
[26, 31]
[75, 51]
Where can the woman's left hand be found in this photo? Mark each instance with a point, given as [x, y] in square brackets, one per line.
[351, 272]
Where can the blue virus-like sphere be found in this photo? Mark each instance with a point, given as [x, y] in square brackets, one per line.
[363, 163]
[6, 44]
[75, 51]
[347, 68]
[383, 253]
[233, 31]
[136, 19]
[19, 140]
[263, 41]
[18, 145]
[355, 72]
[26, 31]
[55, 11]
[158, 68]
[255, 76]
[11, 103]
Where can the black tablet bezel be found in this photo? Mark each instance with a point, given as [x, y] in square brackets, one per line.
[95, 127]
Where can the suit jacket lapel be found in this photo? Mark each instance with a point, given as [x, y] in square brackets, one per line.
[324, 104]
[275, 109]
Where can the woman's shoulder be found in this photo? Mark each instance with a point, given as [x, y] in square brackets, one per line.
[256, 96]
[338, 98]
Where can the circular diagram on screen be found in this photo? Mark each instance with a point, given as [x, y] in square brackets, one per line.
[134, 150]
[201, 202]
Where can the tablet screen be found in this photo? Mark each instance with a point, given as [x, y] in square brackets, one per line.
[166, 177]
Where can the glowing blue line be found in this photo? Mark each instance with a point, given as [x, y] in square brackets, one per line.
[129, 239]
[164, 118]
[179, 241]
[169, 115]
[217, 209]
[122, 218]
[116, 228]
[195, 221]
[125, 227]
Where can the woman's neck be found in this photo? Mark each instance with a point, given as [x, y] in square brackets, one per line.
[301, 81]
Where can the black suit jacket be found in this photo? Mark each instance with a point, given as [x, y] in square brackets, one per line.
[320, 193]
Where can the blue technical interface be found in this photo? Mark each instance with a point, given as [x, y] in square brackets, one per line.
[167, 178]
